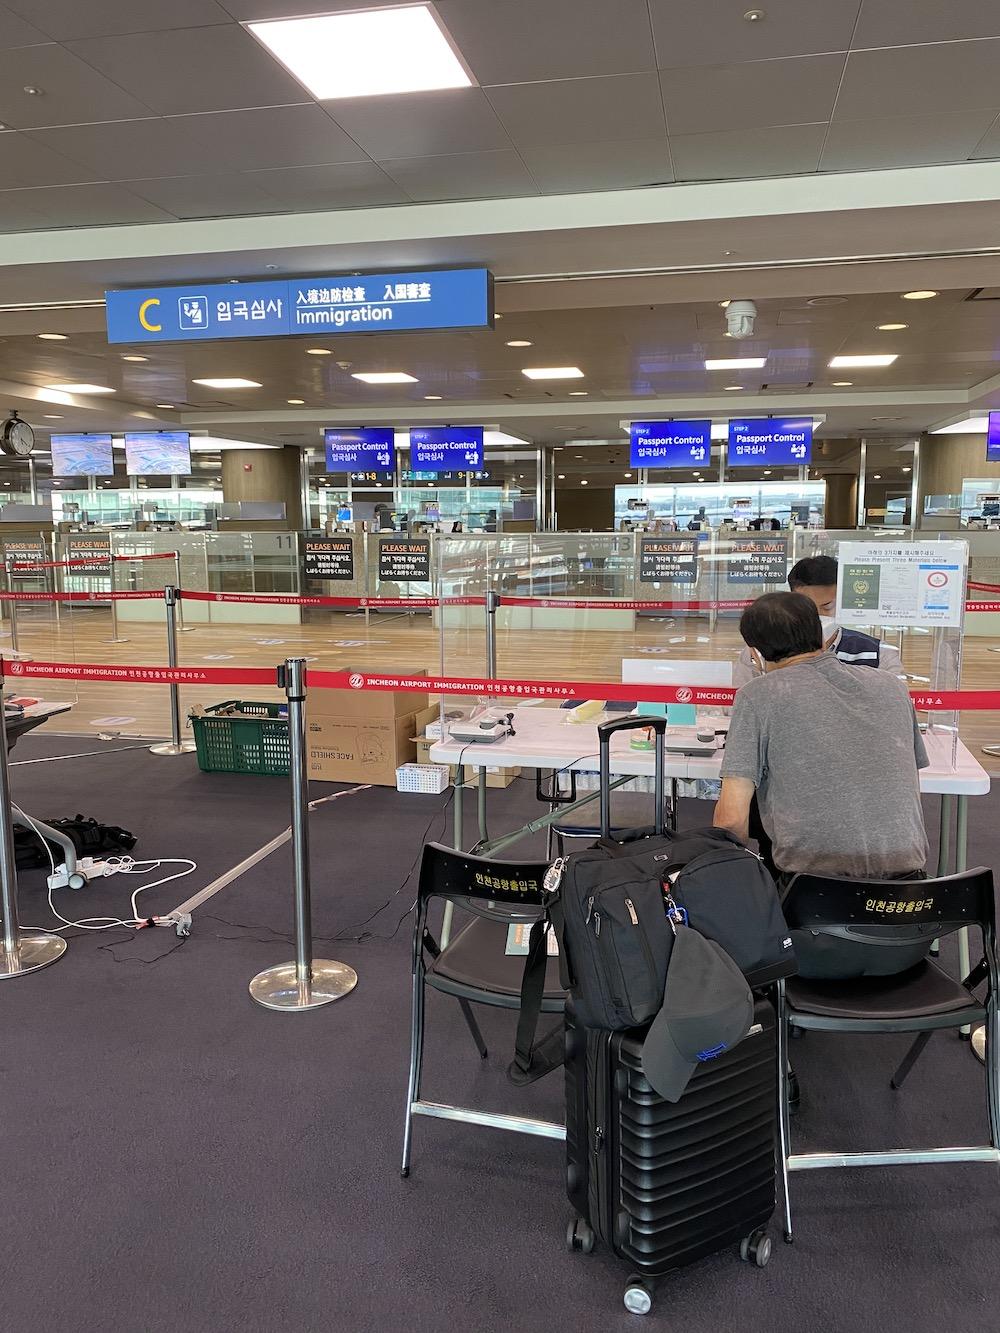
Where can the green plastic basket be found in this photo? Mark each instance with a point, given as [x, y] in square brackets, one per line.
[254, 742]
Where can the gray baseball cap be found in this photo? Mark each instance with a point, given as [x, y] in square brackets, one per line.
[707, 1009]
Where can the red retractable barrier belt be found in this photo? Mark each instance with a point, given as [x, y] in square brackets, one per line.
[291, 599]
[147, 675]
[81, 596]
[937, 700]
[621, 604]
[156, 555]
[982, 606]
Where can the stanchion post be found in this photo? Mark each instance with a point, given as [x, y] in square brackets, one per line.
[13, 608]
[175, 745]
[115, 635]
[307, 982]
[23, 950]
[492, 605]
[183, 629]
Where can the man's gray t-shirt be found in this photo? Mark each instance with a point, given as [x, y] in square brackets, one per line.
[833, 751]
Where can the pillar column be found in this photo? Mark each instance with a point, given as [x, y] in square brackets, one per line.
[262, 475]
[841, 500]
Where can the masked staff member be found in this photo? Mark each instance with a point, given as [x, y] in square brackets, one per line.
[832, 754]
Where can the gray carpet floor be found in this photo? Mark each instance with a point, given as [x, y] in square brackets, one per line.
[178, 1160]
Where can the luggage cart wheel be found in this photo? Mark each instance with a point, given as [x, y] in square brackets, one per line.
[756, 1248]
[579, 1236]
[638, 1296]
[77, 881]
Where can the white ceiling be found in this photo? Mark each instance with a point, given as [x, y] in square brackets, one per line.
[159, 110]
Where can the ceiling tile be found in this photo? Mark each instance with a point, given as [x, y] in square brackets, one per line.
[739, 154]
[247, 10]
[23, 161]
[88, 206]
[65, 19]
[277, 136]
[457, 120]
[19, 211]
[599, 166]
[919, 80]
[462, 176]
[904, 141]
[700, 99]
[617, 106]
[710, 32]
[72, 92]
[193, 69]
[990, 145]
[349, 185]
[521, 40]
[14, 31]
[130, 149]
[893, 22]
[215, 196]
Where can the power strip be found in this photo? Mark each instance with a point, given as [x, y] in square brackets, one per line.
[86, 869]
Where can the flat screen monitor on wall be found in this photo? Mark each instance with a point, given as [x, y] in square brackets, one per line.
[158, 453]
[82, 456]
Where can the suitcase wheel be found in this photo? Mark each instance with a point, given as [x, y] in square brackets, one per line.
[638, 1296]
[756, 1248]
[579, 1236]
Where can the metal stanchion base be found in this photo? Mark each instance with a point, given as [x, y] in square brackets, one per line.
[168, 747]
[279, 988]
[35, 949]
[117, 640]
[993, 750]
[11, 655]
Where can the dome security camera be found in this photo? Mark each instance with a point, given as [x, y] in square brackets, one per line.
[740, 316]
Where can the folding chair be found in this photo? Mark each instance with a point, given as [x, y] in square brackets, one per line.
[475, 967]
[922, 999]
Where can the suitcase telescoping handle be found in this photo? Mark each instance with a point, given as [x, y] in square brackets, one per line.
[604, 733]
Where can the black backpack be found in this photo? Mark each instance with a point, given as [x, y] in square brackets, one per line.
[89, 837]
[608, 907]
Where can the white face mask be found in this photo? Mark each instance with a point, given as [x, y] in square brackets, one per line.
[830, 627]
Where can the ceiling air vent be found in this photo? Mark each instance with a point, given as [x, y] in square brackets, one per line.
[787, 388]
[983, 294]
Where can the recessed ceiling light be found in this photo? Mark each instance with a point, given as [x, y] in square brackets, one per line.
[918, 296]
[733, 388]
[907, 469]
[169, 406]
[891, 328]
[578, 393]
[365, 53]
[853, 362]
[628, 474]
[827, 300]
[432, 397]
[235, 383]
[318, 351]
[553, 373]
[561, 476]
[49, 416]
[723, 305]
[134, 358]
[81, 388]
[696, 474]
[843, 384]
[877, 476]
[519, 342]
[767, 472]
[736, 363]
[584, 481]
[384, 377]
[295, 402]
[53, 337]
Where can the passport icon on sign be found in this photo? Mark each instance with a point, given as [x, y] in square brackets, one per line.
[192, 312]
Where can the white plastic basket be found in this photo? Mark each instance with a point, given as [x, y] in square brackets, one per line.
[429, 778]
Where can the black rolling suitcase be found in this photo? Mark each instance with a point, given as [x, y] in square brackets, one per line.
[666, 1183]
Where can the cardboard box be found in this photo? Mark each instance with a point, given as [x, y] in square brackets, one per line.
[357, 748]
[369, 704]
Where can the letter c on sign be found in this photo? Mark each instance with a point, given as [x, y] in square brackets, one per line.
[152, 328]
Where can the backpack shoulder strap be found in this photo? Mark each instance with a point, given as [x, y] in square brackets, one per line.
[534, 1059]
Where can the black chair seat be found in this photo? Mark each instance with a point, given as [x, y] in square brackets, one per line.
[922, 992]
[475, 966]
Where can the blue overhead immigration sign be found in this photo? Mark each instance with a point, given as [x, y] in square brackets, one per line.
[669, 443]
[768, 441]
[372, 449]
[447, 448]
[460, 298]
[993, 438]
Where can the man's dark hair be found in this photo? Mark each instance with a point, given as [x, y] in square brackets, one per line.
[781, 625]
[816, 571]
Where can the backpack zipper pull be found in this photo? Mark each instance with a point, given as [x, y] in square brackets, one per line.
[631, 911]
[590, 910]
[597, 923]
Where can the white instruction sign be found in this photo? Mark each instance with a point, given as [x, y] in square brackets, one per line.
[909, 583]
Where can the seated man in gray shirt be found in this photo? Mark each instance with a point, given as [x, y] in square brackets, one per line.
[832, 752]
